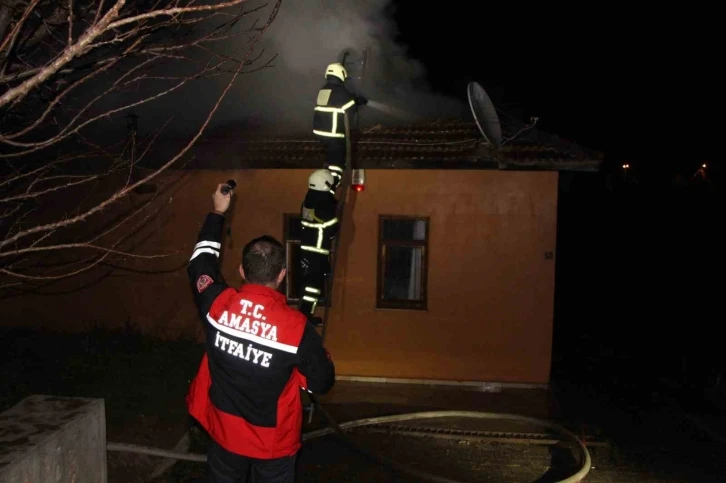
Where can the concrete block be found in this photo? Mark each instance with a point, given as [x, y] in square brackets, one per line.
[50, 439]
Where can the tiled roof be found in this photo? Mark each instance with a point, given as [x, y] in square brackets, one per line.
[442, 144]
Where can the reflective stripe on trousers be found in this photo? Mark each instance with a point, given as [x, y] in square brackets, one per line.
[312, 298]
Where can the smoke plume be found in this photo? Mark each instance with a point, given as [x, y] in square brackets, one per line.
[306, 36]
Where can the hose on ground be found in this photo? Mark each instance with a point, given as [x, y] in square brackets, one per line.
[135, 448]
[339, 429]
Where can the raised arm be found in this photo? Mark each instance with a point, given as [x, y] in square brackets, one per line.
[203, 268]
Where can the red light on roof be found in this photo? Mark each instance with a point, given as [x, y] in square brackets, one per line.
[359, 187]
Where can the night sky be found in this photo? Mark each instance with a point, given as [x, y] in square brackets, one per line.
[641, 87]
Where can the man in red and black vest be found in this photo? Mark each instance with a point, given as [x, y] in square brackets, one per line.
[259, 354]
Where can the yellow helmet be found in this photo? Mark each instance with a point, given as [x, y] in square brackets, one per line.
[336, 70]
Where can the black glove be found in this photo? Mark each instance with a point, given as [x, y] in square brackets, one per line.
[361, 101]
[336, 181]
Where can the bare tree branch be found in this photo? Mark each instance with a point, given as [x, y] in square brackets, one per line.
[55, 277]
[60, 64]
[84, 245]
[9, 40]
[63, 93]
[171, 12]
[66, 56]
[30, 193]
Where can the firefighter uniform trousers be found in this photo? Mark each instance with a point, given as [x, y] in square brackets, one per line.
[319, 227]
[315, 267]
[335, 158]
[226, 467]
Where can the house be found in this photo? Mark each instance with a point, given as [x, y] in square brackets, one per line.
[446, 261]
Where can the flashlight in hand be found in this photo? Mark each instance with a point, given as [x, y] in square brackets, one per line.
[231, 184]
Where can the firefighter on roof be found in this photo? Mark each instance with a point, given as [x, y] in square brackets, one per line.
[319, 226]
[333, 103]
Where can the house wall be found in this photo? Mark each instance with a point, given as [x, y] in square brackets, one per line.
[490, 286]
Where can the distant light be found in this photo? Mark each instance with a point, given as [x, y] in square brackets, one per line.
[359, 187]
[703, 165]
[626, 166]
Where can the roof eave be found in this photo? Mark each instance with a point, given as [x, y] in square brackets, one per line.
[538, 165]
[461, 163]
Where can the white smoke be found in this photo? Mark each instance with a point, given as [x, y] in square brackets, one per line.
[307, 35]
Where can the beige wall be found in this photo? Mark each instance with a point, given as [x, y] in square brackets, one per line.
[490, 288]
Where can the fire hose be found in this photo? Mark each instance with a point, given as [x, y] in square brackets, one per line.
[339, 430]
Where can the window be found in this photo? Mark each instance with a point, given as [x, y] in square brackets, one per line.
[402, 269]
[292, 286]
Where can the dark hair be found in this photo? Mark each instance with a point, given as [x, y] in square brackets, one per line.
[263, 259]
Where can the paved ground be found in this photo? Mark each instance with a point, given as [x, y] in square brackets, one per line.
[654, 435]
[659, 445]
[650, 443]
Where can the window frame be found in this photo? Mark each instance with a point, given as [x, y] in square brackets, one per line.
[382, 303]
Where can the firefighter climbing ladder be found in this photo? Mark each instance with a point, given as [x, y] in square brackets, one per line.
[345, 183]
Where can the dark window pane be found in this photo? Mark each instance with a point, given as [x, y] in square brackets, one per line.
[296, 285]
[402, 273]
[293, 230]
[404, 230]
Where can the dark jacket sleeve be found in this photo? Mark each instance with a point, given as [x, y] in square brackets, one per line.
[344, 97]
[203, 268]
[315, 362]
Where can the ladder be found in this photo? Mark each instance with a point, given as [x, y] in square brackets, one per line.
[345, 182]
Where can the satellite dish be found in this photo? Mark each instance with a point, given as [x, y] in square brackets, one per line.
[484, 113]
[348, 57]
[354, 62]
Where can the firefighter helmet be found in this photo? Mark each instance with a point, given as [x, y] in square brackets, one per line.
[336, 70]
[321, 180]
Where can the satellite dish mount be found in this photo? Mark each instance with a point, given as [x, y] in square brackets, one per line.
[354, 62]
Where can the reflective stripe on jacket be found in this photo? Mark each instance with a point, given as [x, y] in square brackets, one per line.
[333, 101]
[319, 221]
